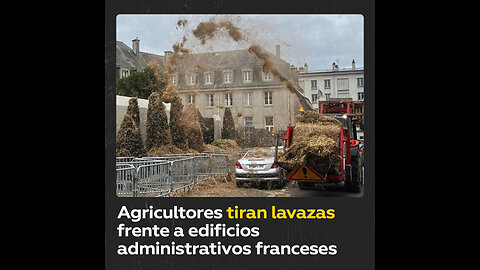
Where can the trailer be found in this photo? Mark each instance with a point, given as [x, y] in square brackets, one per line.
[350, 169]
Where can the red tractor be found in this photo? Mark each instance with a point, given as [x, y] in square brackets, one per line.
[350, 169]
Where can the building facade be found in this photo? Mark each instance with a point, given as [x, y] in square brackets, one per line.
[234, 79]
[321, 85]
[129, 60]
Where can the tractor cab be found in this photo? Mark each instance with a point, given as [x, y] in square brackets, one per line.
[342, 110]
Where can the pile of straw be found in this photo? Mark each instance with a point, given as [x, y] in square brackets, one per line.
[315, 143]
[259, 153]
[225, 144]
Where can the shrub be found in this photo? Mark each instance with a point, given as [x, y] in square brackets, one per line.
[129, 142]
[157, 129]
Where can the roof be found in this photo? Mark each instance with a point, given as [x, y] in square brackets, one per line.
[126, 58]
[331, 71]
[216, 62]
[234, 60]
[229, 59]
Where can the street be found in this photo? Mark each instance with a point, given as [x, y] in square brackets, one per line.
[221, 187]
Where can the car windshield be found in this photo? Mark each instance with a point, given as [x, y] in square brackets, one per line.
[260, 153]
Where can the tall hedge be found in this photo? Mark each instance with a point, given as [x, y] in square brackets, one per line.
[228, 126]
[207, 128]
[129, 142]
[193, 129]
[157, 129]
[176, 126]
[133, 110]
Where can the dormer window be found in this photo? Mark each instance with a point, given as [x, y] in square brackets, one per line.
[125, 73]
[227, 77]
[247, 76]
[267, 76]
[191, 79]
[208, 78]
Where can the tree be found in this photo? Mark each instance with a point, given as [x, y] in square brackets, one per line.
[176, 127]
[207, 128]
[193, 129]
[129, 142]
[133, 110]
[228, 126]
[158, 132]
[142, 83]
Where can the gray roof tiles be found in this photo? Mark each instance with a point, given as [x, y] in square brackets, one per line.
[128, 59]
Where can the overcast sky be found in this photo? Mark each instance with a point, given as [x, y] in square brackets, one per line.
[317, 40]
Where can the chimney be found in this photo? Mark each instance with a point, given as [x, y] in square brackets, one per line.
[277, 50]
[353, 64]
[136, 45]
[167, 54]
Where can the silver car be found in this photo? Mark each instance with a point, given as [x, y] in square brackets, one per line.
[257, 165]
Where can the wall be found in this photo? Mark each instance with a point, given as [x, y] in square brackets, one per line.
[333, 76]
[121, 110]
[258, 110]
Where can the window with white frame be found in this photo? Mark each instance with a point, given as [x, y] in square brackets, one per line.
[227, 77]
[327, 96]
[326, 83]
[247, 76]
[269, 123]
[360, 82]
[228, 100]
[191, 79]
[267, 76]
[314, 98]
[342, 84]
[361, 96]
[313, 84]
[208, 78]
[268, 98]
[191, 99]
[209, 100]
[248, 121]
[125, 73]
[248, 99]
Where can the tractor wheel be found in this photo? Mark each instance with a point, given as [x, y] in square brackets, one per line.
[353, 181]
[361, 170]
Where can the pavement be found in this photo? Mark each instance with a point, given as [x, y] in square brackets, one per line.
[227, 188]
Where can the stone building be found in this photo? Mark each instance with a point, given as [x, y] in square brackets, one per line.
[214, 81]
[234, 79]
[130, 60]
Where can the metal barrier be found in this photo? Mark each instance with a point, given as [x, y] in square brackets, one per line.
[166, 175]
[126, 181]
[202, 167]
[219, 165]
[153, 179]
[182, 172]
[125, 159]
